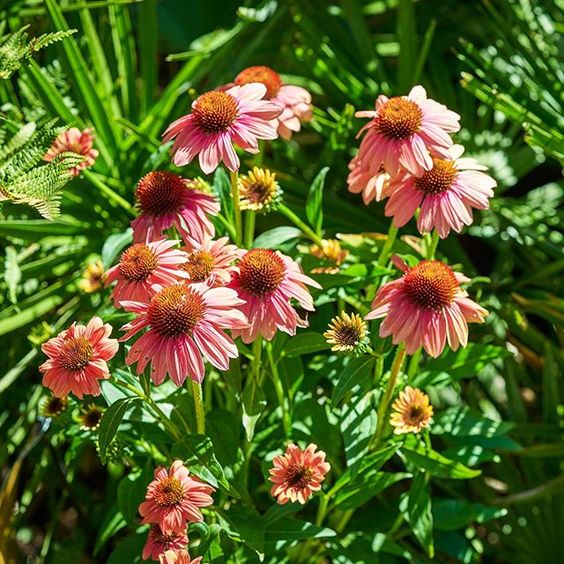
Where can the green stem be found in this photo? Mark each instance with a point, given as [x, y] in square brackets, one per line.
[236, 208]
[286, 211]
[250, 217]
[257, 352]
[199, 407]
[157, 411]
[413, 365]
[321, 509]
[343, 521]
[287, 420]
[382, 411]
[433, 245]
[387, 248]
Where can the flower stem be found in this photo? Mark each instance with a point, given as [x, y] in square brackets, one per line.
[157, 411]
[382, 412]
[286, 211]
[199, 407]
[321, 509]
[250, 217]
[387, 248]
[287, 420]
[433, 245]
[236, 208]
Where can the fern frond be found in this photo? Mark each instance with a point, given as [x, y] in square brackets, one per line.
[16, 48]
[41, 187]
[25, 178]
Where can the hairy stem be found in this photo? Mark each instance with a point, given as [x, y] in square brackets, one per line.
[199, 407]
[236, 208]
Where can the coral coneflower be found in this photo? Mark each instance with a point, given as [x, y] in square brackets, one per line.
[90, 416]
[211, 262]
[403, 132]
[258, 190]
[167, 200]
[77, 359]
[178, 557]
[267, 280]
[347, 333]
[185, 322]
[426, 307]
[75, 141]
[174, 498]
[372, 187]
[158, 542]
[297, 473]
[220, 119]
[92, 277]
[446, 194]
[412, 411]
[53, 406]
[295, 101]
[143, 265]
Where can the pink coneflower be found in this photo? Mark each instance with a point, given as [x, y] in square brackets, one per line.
[267, 280]
[142, 266]
[294, 100]
[373, 187]
[167, 200]
[77, 359]
[297, 474]
[220, 119]
[426, 307]
[178, 557]
[159, 542]
[75, 141]
[211, 262]
[403, 132]
[446, 194]
[185, 321]
[174, 498]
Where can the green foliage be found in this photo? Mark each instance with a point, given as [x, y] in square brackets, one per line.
[485, 481]
[16, 48]
[25, 179]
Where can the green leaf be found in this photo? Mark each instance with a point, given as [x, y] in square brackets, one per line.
[198, 454]
[12, 273]
[438, 465]
[462, 421]
[355, 374]
[275, 237]
[363, 487]
[452, 366]
[113, 523]
[114, 245]
[368, 464]
[245, 525]
[314, 202]
[286, 532]
[357, 424]
[416, 507]
[254, 403]
[131, 492]
[128, 550]
[305, 343]
[451, 514]
[110, 422]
